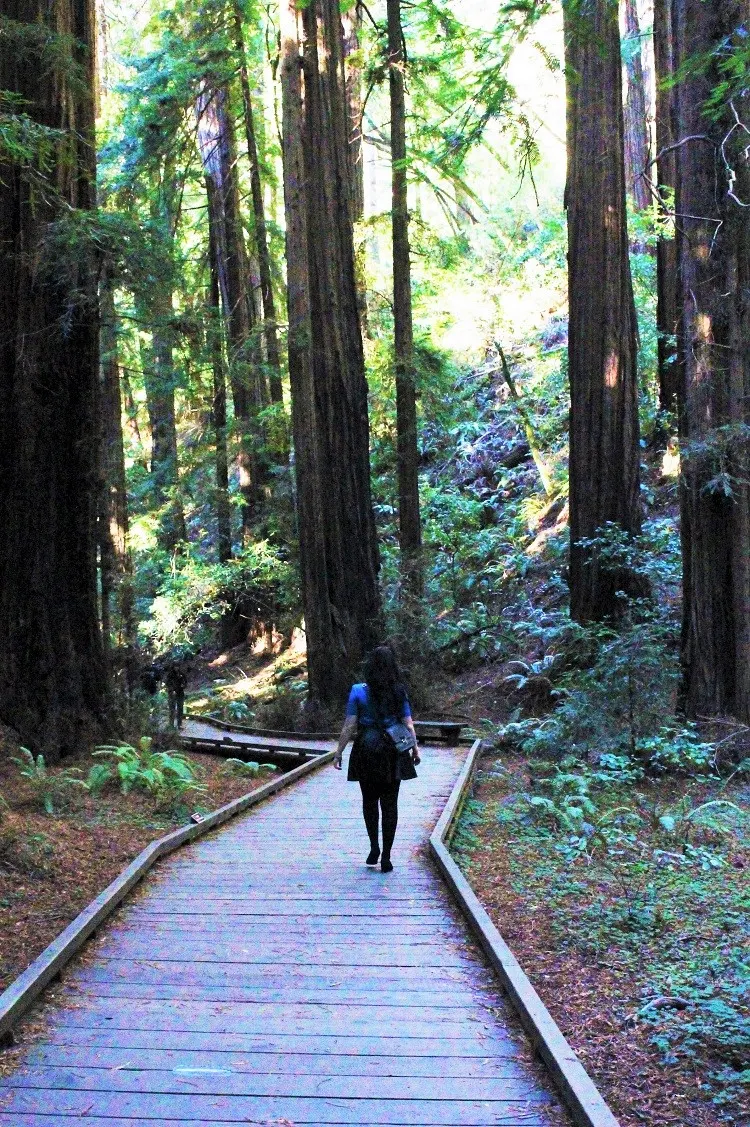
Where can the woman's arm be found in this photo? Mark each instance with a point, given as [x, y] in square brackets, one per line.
[348, 732]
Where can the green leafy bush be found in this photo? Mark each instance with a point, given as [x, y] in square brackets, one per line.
[239, 767]
[47, 788]
[261, 584]
[166, 775]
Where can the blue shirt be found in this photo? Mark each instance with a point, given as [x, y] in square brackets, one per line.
[361, 706]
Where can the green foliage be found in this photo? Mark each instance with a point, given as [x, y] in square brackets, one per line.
[239, 712]
[645, 875]
[166, 775]
[47, 788]
[261, 584]
[23, 141]
[710, 1025]
[239, 768]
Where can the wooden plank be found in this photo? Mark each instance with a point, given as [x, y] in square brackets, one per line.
[201, 1017]
[496, 1067]
[384, 1043]
[286, 976]
[292, 910]
[242, 1109]
[184, 991]
[222, 1081]
[246, 953]
[37, 1120]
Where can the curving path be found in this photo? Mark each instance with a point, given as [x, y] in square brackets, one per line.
[264, 975]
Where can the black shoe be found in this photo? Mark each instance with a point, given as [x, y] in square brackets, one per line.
[372, 856]
[386, 866]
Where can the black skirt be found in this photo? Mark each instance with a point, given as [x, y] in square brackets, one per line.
[374, 760]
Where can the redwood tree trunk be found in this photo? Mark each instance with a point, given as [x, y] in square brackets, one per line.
[52, 671]
[261, 231]
[637, 142]
[604, 438]
[159, 380]
[116, 562]
[410, 525]
[666, 247]
[319, 631]
[352, 23]
[216, 139]
[328, 359]
[219, 413]
[714, 360]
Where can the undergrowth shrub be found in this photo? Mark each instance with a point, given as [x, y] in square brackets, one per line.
[240, 768]
[48, 788]
[166, 775]
[260, 585]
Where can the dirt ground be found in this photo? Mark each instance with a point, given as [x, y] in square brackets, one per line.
[52, 866]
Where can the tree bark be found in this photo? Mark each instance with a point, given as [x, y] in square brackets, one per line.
[261, 230]
[326, 357]
[216, 140]
[319, 631]
[410, 525]
[116, 561]
[219, 412]
[714, 360]
[159, 381]
[637, 141]
[352, 24]
[604, 437]
[666, 247]
[52, 671]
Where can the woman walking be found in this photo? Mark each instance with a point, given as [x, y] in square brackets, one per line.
[373, 706]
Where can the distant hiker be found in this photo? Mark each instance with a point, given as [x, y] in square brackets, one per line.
[175, 680]
[375, 712]
[150, 678]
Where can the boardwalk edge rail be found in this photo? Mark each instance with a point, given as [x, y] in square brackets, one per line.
[576, 1086]
[21, 993]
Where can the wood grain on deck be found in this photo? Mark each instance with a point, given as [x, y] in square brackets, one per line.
[266, 975]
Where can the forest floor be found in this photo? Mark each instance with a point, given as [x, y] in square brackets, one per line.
[644, 969]
[53, 865]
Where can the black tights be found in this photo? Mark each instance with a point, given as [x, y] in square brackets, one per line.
[386, 796]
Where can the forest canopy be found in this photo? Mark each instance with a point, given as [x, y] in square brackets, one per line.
[337, 322]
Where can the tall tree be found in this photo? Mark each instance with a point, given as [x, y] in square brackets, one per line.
[604, 437]
[159, 379]
[637, 140]
[666, 247]
[329, 391]
[259, 213]
[219, 410]
[712, 198]
[249, 390]
[352, 23]
[410, 525]
[52, 673]
[117, 596]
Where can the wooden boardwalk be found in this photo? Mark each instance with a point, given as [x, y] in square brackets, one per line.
[265, 975]
[203, 729]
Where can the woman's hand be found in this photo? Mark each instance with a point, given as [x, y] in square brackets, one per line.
[348, 732]
[415, 756]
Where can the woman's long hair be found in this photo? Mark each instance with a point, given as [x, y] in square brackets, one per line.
[384, 680]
